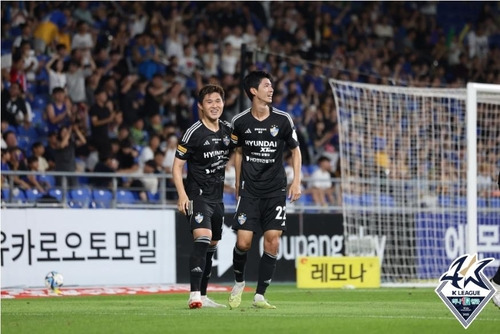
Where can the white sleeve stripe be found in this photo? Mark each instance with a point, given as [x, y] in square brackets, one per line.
[238, 116]
[190, 131]
[279, 112]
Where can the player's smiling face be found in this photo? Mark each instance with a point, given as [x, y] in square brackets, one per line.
[212, 106]
[265, 91]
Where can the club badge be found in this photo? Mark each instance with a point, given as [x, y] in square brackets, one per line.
[198, 217]
[226, 140]
[274, 130]
[242, 218]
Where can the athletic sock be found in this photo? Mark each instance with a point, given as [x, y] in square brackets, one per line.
[496, 278]
[239, 262]
[266, 270]
[197, 261]
[208, 269]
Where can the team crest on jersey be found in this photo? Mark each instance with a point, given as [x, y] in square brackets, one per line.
[198, 217]
[226, 140]
[242, 218]
[274, 130]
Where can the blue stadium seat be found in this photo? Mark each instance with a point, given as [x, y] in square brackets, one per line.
[49, 180]
[153, 198]
[32, 195]
[444, 201]
[387, 200]
[56, 193]
[229, 199]
[349, 199]
[79, 198]
[18, 196]
[101, 198]
[125, 197]
[460, 201]
[481, 202]
[367, 200]
[494, 202]
[40, 101]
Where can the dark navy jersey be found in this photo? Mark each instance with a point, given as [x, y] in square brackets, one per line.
[206, 153]
[263, 143]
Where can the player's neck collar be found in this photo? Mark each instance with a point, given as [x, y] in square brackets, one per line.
[261, 114]
[211, 126]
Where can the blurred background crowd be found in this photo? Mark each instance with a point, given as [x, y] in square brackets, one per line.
[110, 86]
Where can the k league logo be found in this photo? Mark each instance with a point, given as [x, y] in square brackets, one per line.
[465, 289]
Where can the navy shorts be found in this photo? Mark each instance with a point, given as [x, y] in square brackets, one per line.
[264, 213]
[207, 215]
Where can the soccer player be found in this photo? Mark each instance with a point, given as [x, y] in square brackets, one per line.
[261, 135]
[205, 147]
[496, 279]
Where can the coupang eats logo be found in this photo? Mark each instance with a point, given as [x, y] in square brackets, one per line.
[464, 288]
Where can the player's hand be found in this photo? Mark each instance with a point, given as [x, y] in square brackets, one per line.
[182, 204]
[294, 192]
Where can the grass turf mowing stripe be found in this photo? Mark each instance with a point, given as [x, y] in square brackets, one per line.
[299, 311]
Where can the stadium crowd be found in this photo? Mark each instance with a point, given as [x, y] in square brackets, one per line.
[109, 86]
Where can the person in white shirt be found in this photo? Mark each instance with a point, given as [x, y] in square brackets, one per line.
[320, 184]
[55, 69]
[148, 152]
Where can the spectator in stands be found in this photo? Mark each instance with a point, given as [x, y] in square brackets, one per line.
[146, 183]
[126, 158]
[83, 41]
[15, 109]
[55, 70]
[101, 115]
[320, 183]
[38, 151]
[145, 55]
[18, 162]
[59, 110]
[155, 97]
[170, 149]
[17, 74]
[138, 135]
[32, 180]
[10, 139]
[30, 62]
[148, 152]
[75, 80]
[68, 138]
[106, 164]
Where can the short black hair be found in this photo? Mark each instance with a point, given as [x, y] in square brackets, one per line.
[57, 90]
[252, 80]
[209, 89]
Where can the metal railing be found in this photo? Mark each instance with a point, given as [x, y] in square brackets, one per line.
[164, 199]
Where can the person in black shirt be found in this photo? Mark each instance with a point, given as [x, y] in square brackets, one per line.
[101, 115]
[205, 147]
[261, 134]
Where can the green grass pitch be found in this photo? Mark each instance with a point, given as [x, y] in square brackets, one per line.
[385, 310]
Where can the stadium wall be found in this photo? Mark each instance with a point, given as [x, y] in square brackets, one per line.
[132, 247]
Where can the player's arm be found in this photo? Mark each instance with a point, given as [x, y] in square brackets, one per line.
[238, 156]
[177, 168]
[294, 192]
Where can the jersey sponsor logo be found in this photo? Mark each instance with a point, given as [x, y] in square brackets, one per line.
[274, 130]
[261, 143]
[261, 161]
[181, 149]
[206, 143]
[217, 153]
[260, 130]
[267, 150]
[248, 131]
[226, 140]
[198, 217]
[242, 218]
